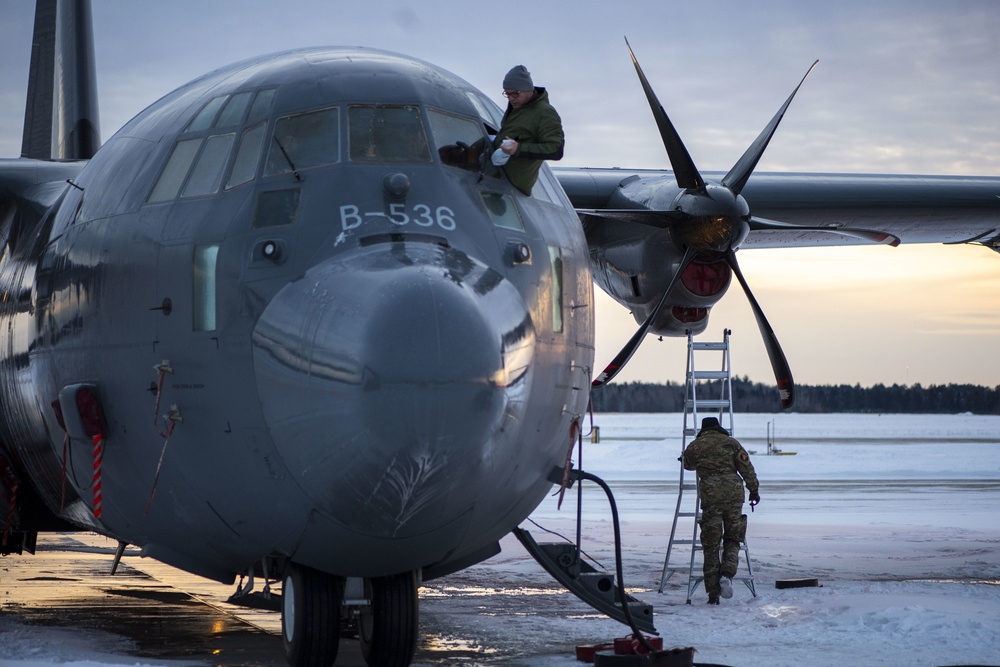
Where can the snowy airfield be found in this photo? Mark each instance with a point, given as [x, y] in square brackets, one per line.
[895, 515]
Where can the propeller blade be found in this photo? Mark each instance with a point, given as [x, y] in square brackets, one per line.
[641, 216]
[763, 224]
[685, 172]
[618, 363]
[738, 175]
[782, 373]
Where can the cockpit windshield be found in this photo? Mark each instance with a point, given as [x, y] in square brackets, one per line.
[304, 140]
[222, 146]
[387, 134]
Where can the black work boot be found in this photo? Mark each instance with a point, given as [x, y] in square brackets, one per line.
[713, 599]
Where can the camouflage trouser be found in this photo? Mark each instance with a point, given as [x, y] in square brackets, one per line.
[725, 524]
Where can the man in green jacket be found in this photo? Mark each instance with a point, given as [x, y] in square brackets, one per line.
[723, 468]
[531, 130]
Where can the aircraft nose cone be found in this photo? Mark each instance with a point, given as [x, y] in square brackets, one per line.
[384, 378]
[432, 363]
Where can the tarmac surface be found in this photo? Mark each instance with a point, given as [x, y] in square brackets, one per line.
[159, 613]
[166, 613]
[901, 535]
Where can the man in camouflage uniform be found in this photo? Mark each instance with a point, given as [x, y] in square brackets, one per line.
[723, 468]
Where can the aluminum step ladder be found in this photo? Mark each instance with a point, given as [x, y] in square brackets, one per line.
[700, 385]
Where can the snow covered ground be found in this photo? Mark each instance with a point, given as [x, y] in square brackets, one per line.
[895, 515]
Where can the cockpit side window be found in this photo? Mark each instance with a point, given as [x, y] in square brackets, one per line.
[204, 119]
[198, 161]
[489, 112]
[232, 113]
[304, 140]
[170, 181]
[387, 134]
[206, 176]
[459, 141]
[261, 107]
[247, 156]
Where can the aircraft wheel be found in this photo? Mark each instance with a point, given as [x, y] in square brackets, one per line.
[310, 616]
[388, 628]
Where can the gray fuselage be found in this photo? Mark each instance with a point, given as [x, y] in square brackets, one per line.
[302, 301]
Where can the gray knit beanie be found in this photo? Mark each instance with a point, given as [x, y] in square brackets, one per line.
[518, 78]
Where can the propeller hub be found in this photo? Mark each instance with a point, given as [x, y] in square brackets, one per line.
[718, 219]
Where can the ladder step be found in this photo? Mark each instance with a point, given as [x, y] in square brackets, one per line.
[593, 587]
[694, 404]
[710, 375]
[709, 404]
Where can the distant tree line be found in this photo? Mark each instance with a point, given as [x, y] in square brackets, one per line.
[756, 397]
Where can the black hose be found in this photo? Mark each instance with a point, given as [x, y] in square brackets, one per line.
[618, 557]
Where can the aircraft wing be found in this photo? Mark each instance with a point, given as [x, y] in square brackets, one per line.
[663, 243]
[913, 209]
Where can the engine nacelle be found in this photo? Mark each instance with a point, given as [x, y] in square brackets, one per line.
[636, 275]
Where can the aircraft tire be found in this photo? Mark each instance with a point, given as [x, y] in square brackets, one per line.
[388, 629]
[310, 616]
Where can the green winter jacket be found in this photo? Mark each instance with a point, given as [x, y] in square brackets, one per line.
[538, 130]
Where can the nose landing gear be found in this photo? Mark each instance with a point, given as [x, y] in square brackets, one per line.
[387, 628]
[387, 617]
[310, 616]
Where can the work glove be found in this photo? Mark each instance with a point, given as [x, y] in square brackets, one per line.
[754, 499]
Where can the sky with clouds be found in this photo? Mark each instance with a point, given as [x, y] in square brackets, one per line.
[902, 86]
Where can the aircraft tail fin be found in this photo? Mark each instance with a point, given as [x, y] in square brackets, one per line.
[60, 115]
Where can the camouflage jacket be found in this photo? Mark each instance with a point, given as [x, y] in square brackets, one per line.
[721, 462]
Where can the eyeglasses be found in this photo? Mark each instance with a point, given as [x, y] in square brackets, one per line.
[513, 93]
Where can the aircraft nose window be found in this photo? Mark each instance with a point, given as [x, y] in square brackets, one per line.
[304, 140]
[460, 141]
[387, 134]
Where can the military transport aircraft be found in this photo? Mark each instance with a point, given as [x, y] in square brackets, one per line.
[287, 321]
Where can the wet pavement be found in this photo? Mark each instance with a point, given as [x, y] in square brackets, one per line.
[67, 584]
[483, 616]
